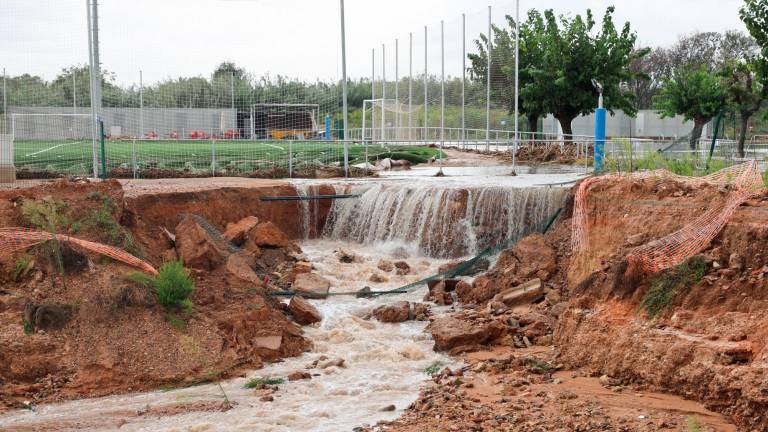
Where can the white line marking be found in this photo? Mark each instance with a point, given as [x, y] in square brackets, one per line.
[51, 148]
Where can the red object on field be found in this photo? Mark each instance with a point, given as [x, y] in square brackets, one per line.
[198, 134]
[173, 135]
[151, 135]
[229, 134]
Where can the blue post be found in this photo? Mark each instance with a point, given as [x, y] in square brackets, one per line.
[599, 139]
[327, 128]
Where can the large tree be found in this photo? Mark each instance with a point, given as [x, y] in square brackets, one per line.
[745, 94]
[696, 94]
[572, 54]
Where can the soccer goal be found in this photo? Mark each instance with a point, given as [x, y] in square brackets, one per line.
[387, 120]
[281, 121]
[52, 142]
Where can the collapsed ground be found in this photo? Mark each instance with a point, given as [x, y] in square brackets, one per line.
[536, 330]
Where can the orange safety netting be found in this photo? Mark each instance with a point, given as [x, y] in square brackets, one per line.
[745, 181]
[13, 239]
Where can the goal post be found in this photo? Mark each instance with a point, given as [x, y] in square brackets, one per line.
[281, 121]
[60, 142]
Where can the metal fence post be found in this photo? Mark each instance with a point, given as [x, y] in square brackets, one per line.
[426, 85]
[488, 88]
[213, 158]
[103, 150]
[290, 159]
[397, 88]
[410, 84]
[383, 91]
[463, 75]
[133, 157]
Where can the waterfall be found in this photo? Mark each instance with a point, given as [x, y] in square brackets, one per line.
[442, 222]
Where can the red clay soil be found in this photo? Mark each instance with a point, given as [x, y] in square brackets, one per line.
[707, 347]
[117, 338]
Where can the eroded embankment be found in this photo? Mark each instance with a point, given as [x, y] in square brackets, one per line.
[80, 326]
[708, 341]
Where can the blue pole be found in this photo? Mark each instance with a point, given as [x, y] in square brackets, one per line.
[327, 128]
[599, 139]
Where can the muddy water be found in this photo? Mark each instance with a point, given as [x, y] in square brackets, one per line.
[385, 365]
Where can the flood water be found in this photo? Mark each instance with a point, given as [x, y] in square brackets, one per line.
[384, 365]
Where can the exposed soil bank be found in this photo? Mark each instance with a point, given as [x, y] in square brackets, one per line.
[708, 343]
[103, 334]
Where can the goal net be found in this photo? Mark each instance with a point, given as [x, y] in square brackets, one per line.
[391, 120]
[279, 121]
[52, 142]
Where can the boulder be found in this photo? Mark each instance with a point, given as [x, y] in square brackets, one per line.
[420, 311]
[440, 295]
[197, 247]
[451, 333]
[237, 232]
[303, 312]
[482, 290]
[239, 266]
[521, 294]
[299, 375]
[479, 266]
[402, 268]
[267, 234]
[51, 316]
[385, 266]
[530, 257]
[347, 257]
[312, 285]
[394, 313]
[377, 278]
[298, 268]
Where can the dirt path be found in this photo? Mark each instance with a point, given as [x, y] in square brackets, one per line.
[140, 187]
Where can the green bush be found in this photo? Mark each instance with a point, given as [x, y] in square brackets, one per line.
[19, 267]
[261, 382]
[173, 285]
[433, 368]
[665, 286]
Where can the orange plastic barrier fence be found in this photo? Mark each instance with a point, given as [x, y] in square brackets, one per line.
[745, 181]
[13, 239]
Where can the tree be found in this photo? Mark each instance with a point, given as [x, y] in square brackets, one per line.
[571, 56]
[695, 94]
[745, 93]
[754, 14]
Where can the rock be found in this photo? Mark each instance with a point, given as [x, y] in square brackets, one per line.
[553, 297]
[347, 257]
[303, 312]
[463, 291]
[300, 267]
[339, 362]
[385, 266]
[482, 290]
[735, 261]
[523, 293]
[271, 343]
[299, 375]
[312, 285]
[395, 313]
[388, 408]
[557, 309]
[239, 266]
[52, 316]
[267, 398]
[402, 268]
[439, 295]
[479, 266]
[267, 234]
[377, 278]
[237, 232]
[451, 332]
[635, 239]
[530, 257]
[364, 292]
[197, 247]
[420, 312]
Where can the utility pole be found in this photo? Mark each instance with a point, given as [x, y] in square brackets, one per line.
[95, 81]
[488, 89]
[232, 100]
[397, 94]
[442, 95]
[74, 90]
[373, 93]
[344, 88]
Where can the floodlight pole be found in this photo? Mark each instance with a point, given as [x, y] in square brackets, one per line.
[426, 84]
[383, 90]
[397, 94]
[373, 92]
[463, 75]
[5, 99]
[517, 80]
[442, 95]
[93, 59]
[344, 89]
[488, 89]
[410, 83]
[74, 90]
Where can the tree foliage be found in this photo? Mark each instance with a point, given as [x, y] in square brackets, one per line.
[694, 93]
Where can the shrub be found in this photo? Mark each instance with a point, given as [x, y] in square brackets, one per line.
[173, 285]
[665, 286]
[19, 267]
[433, 368]
[262, 381]
[47, 215]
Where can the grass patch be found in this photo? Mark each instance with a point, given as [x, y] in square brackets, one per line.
[103, 220]
[19, 267]
[693, 424]
[259, 382]
[28, 328]
[433, 368]
[176, 321]
[48, 215]
[173, 285]
[664, 287]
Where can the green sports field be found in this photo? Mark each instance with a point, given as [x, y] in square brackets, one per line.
[192, 156]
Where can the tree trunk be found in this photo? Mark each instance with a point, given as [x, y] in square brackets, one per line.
[744, 117]
[693, 140]
[565, 124]
[533, 125]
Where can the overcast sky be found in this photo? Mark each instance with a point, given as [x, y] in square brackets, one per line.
[296, 38]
